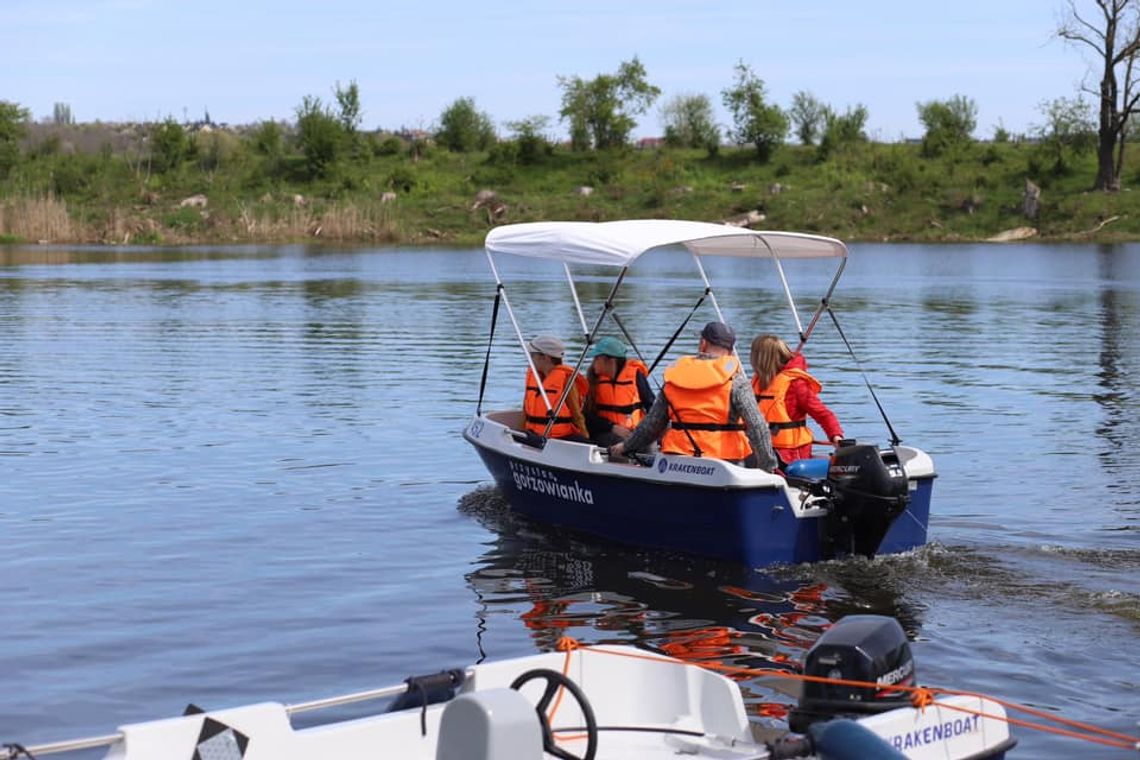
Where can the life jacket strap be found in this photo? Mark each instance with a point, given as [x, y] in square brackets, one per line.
[544, 420]
[712, 426]
[623, 409]
[778, 426]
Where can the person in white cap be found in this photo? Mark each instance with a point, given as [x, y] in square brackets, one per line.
[546, 352]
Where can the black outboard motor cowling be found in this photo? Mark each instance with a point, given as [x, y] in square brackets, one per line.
[870, 648]
[869, 490]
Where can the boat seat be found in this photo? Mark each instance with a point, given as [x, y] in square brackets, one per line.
[512, 418]
[489, 724]
[808, 469]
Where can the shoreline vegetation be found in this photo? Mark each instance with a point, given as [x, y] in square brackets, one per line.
[423, 194]
[323, 179]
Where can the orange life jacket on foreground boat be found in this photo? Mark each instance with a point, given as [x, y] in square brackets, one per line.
[617, 399]
[786, 432]
[699, 392]
[534, 409]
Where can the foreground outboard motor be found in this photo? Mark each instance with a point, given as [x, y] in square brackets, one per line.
[868, 491]
[870, 648]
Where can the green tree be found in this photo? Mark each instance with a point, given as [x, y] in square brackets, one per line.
[348, 101]
[755, 121]
[601, 111]
[13, 128]
[1115, 38]
[1068, 130]
[689, 123]
[463, 128]
[320, 137]
[809, 117]
[169, 145]
[530, 134]
[840, 130]
[213, 150]
[61, 115]
[949, 124]
[267, 143]
[267, 139]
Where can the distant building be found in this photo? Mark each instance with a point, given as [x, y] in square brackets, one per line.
[413, 135]
[650, 143]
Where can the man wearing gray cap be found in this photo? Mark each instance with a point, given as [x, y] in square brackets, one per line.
[708, 406]
[546, 352]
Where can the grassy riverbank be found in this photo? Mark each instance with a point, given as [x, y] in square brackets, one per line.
[392, 191]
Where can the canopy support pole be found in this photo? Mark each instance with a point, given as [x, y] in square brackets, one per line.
[672, 340]
[590, 335]
[895, 440]
[708, 287]
[490, 341]
[518, 332]
[577, 303]
[787, 290]
[824, 305]
[712, 298]
[788, 295]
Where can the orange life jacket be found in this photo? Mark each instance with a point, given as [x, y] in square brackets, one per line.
[699, 392]
[534, 408]
[617, 399]
[786, 432]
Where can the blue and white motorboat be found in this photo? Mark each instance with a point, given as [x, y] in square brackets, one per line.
[863, 499]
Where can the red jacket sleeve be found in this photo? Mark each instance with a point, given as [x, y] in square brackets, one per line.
[802, 401]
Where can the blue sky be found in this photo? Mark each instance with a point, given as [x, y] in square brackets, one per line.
[244, 61]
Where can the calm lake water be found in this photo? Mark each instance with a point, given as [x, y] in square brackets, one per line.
[236, 474]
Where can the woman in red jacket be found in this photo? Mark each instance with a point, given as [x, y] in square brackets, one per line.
[787, 395]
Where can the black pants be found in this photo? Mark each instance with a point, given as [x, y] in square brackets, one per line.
[607, 439]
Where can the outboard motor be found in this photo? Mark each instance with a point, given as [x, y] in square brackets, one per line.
[870, 648]
[868, 490]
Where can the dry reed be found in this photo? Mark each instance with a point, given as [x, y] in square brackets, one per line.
[40, 219]
[46, 219]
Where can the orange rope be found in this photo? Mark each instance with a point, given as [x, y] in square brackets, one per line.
[921, 697]
[1089, 737]
[1029, 710]
[573, 738]
[565, 644]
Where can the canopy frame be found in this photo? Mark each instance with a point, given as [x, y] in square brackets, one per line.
[593, 243]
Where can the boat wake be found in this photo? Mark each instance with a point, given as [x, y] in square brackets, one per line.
[1098, 580]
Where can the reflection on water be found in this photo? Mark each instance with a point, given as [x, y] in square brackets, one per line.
[1116, 395]
[697, 610]
[723, 615]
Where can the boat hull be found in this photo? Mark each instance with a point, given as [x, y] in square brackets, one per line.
[697, 506]
[669, 709]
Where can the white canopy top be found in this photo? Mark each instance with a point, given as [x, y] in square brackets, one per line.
[619, 243]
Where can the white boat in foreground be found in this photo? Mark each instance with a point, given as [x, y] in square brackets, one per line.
[587, 703]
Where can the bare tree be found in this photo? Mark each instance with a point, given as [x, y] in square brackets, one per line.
[1116, 39]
